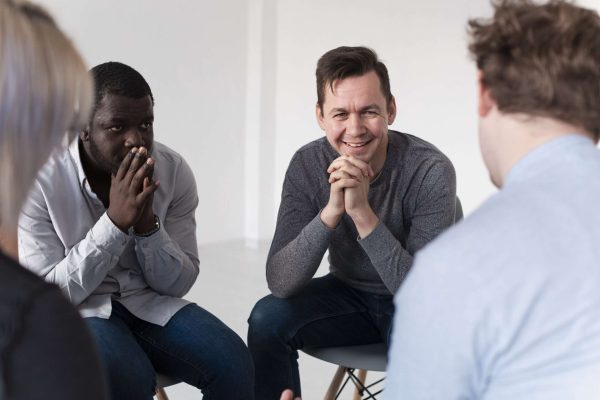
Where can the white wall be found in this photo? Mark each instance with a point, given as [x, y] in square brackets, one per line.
[193, 55]
[423, 44]
[235, 92]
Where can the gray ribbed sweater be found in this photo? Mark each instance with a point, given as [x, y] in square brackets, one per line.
[414, 198]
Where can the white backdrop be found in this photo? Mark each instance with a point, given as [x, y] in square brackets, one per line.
[193, 55]
[235, 93]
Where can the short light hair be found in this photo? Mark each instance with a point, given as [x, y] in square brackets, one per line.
[45, 92]
[541, 60]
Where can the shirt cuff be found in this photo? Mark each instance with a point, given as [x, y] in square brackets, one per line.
[154, 240]
[110, 238]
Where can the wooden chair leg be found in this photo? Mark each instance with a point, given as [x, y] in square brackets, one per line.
[362, 377]
[161, 394]
[335, 384]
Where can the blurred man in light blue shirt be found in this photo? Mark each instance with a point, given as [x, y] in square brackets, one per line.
[506, 305]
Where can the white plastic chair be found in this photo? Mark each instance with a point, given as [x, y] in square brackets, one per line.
[349, 359]
[163, 381]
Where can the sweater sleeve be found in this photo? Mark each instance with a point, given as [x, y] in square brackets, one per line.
[432, 204]
[300, 239]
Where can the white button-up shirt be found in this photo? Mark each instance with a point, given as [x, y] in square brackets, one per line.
[66, 237]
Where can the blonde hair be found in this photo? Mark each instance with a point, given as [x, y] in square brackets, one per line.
[45, 92]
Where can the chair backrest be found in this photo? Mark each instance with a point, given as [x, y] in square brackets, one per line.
[458, 213]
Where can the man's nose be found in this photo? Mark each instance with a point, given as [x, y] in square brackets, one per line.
[134, 138]
[354, 124]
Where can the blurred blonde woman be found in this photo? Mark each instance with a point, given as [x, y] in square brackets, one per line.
[45, 349]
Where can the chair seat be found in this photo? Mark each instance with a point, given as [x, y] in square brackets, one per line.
[163, 381]
[370, 357]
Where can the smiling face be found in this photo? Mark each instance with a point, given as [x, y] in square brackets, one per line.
[355, 117]
[119, 124]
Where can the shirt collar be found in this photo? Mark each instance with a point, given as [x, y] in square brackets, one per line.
[75, 157]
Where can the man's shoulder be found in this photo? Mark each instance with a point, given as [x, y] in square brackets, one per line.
[417, 163]
[314, 154]
[172, 170]
[415, 148]
[313, 147]
[308, 165]
[162, 152]
[59, 168]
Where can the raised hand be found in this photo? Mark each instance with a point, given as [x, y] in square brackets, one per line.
[351, 178]
[358, 174]
[131, 191]
[344, 173]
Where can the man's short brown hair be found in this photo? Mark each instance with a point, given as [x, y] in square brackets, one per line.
[541, 60]
[345, 62]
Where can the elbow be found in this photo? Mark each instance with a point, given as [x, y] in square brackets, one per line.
[282, 289]
[182, 285]
[75, 295]
[195, 271]
[276, 284]
[185, 289]
[71, 289]
[280, 282]
[281, 292]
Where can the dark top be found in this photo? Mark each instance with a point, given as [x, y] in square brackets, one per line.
[414, 197]
[46, 352]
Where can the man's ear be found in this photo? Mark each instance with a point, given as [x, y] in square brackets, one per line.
[320, 117]
[391, 111]
[486, 102]
[84, 135]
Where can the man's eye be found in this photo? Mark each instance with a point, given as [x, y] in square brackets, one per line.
[146, 125]
[370, 113]
[340, 115]
[116, 128]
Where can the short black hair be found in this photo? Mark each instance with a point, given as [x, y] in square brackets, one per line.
[120, 79]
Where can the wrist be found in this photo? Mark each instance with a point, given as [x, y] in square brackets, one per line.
[330, 217]
[365, 221]
[122, 228]
[147, 228]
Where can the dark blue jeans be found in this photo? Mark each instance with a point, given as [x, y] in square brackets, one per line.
[326, 313]
[194, 347]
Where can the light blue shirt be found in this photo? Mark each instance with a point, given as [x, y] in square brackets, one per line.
[506, 305]
[66, 237]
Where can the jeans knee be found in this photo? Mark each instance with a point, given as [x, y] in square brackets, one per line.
[133, 378]
[231, 373]
[237, 364]
[267, 322]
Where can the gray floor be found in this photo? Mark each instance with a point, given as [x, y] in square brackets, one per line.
[232, 279]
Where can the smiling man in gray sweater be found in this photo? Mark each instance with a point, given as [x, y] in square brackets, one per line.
[370, 196]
